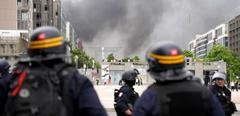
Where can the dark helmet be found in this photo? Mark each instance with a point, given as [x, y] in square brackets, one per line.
[136, 70]
[165, 56]
[129, 77]
[166, 62]
[4, 66]
[46, 43]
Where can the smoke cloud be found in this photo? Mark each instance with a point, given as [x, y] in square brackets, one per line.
[136, 24]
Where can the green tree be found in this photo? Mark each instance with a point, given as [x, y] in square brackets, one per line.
[126, 59]
[80, 58]
[110, 57]
[219, 52]
[187, 53]
[136, 59]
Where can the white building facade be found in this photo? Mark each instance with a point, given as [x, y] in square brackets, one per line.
[12, 44]
[203, 43]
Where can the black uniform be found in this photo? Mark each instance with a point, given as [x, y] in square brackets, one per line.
[126, 97]
[176, 92]
[224, 96]
[47, 86]
[126, 100]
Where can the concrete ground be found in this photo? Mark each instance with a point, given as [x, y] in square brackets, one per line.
[105, 93]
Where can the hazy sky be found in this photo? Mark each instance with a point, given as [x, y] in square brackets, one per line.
[137, 24]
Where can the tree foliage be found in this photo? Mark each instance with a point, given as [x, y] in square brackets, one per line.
[136, 59]
[110, 57]
[80, 58]
[187, 53]
[219, 52]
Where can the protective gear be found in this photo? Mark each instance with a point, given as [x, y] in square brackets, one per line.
[166, 62]
[165, 56]
[148, 103]
[219, 75]
[125, 100]
[136, 70]
[190, 91]
[46, 43]
[223, 94]
[4, 66]
[129, 77]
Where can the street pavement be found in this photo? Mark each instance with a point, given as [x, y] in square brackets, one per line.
[105, 93]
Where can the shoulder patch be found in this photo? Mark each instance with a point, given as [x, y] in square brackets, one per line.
[120, 94]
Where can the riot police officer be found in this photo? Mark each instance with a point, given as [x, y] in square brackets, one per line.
[175, 92]
[127, 96]
[222, 93]
[5, 79]
[70, 90]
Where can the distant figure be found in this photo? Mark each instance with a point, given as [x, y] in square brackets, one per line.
[232, 85]
[109, 80]
[206, 80]
[237, 85]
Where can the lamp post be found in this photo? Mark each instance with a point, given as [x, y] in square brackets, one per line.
[93, 62]
[85, 68]
[76, 61]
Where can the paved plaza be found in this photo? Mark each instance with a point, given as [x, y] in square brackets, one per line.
[105, 93]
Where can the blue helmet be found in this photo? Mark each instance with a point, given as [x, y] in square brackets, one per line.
[4, 66]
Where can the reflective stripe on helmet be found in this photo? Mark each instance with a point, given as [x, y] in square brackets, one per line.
[171, 62]
[46, 43]
[168, 59]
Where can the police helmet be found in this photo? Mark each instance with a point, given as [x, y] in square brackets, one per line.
[46, 43]
[129, 76]
[4, 66]
[136, 70]
[165, 56]
[166, 62]
[219, 75]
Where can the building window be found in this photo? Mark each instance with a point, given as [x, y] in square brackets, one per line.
[24, 16]
[57, 13]
[34, 5]
[38, 25]
[46, 8]
[38, 16]
[3, 49]
[11, 48]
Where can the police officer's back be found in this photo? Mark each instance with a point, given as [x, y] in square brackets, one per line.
[175, 92]
[46, 78]
[126, 94]
[222, 93]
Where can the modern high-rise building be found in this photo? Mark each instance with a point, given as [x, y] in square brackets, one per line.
[25, 15]
[203, 43]
[71, 35]
[8, 14]
[46, 12]
[234, 34]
